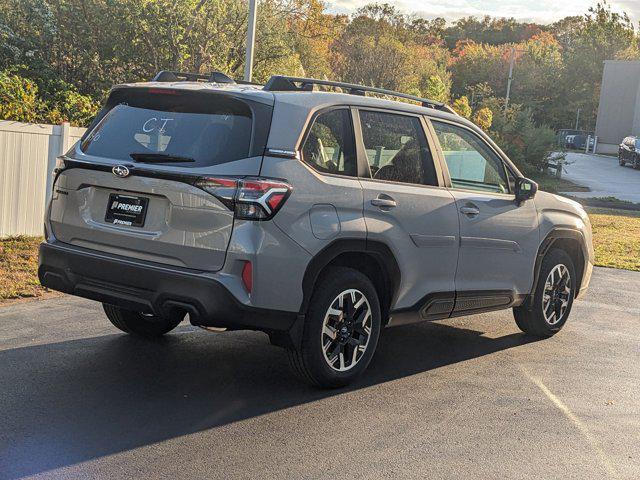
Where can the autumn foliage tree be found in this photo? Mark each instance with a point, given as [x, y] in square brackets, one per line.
[59, 58]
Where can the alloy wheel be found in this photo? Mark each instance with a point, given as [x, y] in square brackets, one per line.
[346, 330]
[556, 295]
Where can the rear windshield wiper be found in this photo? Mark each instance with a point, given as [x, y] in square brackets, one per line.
[159, 158]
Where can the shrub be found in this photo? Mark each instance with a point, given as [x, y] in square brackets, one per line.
[18, 98]
[462, 107]
[436, 89]
[483, 118]
[71, 106]
[528, 145]
[22, 101]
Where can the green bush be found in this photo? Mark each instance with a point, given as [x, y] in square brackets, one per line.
[22, 101]
[71, 106]
[528, 145]
[18, 98]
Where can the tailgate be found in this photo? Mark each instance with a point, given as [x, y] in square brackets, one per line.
[180, 224]
[128, 189]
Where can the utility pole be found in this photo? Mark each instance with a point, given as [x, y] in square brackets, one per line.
[512, 60]
[251, 36]
[577, 118]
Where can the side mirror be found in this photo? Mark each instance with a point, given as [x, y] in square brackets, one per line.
[525, 189]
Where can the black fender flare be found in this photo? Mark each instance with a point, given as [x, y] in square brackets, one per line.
[379, 250]
[552, 237]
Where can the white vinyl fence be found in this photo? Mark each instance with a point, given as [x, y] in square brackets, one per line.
[27, 157]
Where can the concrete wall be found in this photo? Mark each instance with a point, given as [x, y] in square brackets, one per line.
[27, 157]
[619, 107]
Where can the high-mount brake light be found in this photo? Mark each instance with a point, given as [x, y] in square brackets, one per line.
[249, 198]
[162, 91]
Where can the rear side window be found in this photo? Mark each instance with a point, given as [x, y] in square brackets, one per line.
[397, 149]
[329, 146]
[208, 129]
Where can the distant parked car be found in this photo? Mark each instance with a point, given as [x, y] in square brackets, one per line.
[629, 152]
[578, 141]
[569, 141]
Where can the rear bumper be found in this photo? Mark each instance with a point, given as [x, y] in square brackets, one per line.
[148, 287]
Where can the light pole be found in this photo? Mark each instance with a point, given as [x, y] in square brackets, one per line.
[251, 36]
[512, 61]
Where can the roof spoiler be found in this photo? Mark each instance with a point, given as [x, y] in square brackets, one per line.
[171, 76]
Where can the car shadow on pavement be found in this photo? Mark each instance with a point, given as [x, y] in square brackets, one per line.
[73, 401]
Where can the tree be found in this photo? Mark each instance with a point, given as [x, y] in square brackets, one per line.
[483, 117]
[487, 30]
[462, 107]
[383, 48]
[528, 145]
[73, 51]
[436, 89]
[586, 43]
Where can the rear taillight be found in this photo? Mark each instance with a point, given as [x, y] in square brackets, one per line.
[249, 198]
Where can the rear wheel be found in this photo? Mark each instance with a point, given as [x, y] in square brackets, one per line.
[140, 324]
[341, 329]
[553, 297]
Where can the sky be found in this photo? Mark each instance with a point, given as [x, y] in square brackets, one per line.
[539, 11]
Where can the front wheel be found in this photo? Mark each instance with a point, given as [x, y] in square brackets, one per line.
[621, 161]
[341, 329]
[552, 299]
[140, 324]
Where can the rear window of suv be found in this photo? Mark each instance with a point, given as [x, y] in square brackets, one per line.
[202, 129]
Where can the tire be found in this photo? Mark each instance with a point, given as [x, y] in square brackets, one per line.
[135, 323]
[534, 321]
[333, 357]
[621, 161]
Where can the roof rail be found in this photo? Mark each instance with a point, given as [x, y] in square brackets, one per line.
[171, 76]
[284, 83]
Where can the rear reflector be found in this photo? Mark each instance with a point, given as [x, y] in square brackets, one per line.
[249, 198]
[247, 276]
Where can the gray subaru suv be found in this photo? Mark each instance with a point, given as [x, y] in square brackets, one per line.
[306, 209]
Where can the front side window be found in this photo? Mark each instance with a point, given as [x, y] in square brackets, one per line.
[397, 149]
[329, 146]
[472, 164]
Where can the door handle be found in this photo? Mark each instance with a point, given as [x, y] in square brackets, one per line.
[384, 201]
[470, 210]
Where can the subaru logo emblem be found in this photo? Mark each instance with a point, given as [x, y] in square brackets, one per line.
[120, 171]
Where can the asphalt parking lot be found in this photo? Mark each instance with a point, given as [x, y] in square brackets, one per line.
[465, 398]
[604, 177]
